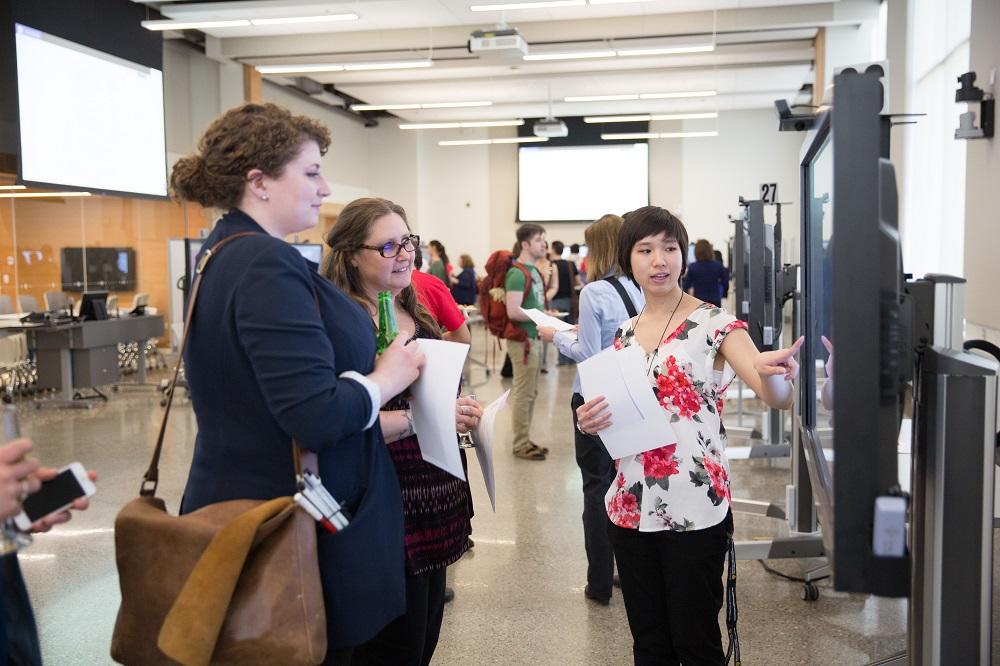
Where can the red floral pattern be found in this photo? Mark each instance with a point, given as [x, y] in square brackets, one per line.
[653, 490]
[675, 389]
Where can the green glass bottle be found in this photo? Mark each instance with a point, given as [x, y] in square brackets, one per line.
[387, 327]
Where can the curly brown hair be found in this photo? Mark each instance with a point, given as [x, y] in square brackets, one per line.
[346, 237]
[252, 136]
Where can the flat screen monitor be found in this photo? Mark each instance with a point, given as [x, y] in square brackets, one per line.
[108, 268]
[853, 296]
[581, 183]
[94, 306]
[88, 119]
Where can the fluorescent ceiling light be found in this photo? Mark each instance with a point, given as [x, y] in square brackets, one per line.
[13, 187]
[429, 105]
[483, 142]
[40, 195]
[614, 2]
[194, 25]
[678, 95]
[657, 135]
[545, 4]
[601, 98]
[402, 64]
[457, 125]
[307, 68]
[650, 116]
[667, 50]
[570, 55]
[291, 20]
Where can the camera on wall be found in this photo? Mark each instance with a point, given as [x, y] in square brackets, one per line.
[968, 92]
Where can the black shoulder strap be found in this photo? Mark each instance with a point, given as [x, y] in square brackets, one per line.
[626, 299]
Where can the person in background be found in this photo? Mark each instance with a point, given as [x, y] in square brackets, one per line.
[464, 288]
[566, 280]
[725, 287]
[21, 476]
[670, 504]
[706, 278]
[574, 256]
[371, 251]
[550, 282]
[439, 266]
[434, 296]
[525, 355]
[276, 354]
[608, 299]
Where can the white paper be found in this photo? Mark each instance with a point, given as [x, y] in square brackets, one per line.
[638, 422]
[542, 319]
[433, 405]
[483, 441]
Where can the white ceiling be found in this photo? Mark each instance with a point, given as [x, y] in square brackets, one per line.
[764, 51]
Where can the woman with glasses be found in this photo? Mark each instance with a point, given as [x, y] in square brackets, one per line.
[372, 250]
[273, 357]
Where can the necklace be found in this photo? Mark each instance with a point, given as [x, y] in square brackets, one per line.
[652, 360]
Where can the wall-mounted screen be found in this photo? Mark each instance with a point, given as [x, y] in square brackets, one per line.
[581, 183]
[88, 119]
[104, 268]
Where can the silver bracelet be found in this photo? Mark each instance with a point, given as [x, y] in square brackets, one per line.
[409, 423]
[582, 431]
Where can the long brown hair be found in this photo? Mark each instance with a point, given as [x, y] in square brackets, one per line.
[602, 247]
[346, 237]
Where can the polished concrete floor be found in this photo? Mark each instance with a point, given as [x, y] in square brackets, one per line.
[519, 593]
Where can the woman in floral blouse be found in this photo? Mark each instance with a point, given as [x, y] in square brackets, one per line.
[669, 506]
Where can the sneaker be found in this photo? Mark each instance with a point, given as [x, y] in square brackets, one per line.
[530, 452]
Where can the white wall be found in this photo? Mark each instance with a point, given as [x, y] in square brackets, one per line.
[346, 164]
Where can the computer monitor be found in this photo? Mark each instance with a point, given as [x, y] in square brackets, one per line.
[94, 306]
[854, 296]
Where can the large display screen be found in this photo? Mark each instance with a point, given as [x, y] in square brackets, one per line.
[581, 183]
[88, 119]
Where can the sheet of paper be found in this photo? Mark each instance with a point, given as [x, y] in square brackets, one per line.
[483, 439]
[542, 319]
[433, 404]
[638, 422]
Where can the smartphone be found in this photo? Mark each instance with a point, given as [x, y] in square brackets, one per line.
[55, 495]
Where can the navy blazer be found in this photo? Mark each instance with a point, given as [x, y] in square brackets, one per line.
[264, 365]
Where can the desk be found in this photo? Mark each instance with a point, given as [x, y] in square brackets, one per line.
[85, 354]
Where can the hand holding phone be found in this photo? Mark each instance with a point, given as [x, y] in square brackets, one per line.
[58, 493]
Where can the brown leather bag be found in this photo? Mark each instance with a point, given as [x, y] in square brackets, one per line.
[234, 582]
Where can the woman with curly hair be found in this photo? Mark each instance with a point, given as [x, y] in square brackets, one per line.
[277, 354]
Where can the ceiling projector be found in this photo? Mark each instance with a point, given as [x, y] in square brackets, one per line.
[501, 42]
[551, 128]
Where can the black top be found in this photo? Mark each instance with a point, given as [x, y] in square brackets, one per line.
[263, 364]
[567, 273]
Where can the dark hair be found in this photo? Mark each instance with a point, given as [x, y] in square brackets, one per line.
[574, 248]
[703, 250]
[418, 258]
[717, 255]
[345, 238]
[557, 247]
[526, 232]
[439, 248]
[252, 136]
[643, 223]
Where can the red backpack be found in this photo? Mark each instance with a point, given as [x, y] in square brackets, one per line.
[493, 296]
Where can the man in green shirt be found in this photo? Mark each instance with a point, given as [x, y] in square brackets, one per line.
[525, 355]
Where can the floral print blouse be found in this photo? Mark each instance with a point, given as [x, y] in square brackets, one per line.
[682, 486]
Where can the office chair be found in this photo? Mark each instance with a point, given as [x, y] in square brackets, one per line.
[56, 300]
[28, 304]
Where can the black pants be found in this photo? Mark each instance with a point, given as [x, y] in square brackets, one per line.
[673, 591]
[597, 470]
[410, 639]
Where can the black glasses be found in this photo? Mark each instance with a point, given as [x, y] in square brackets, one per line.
[392, 249]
